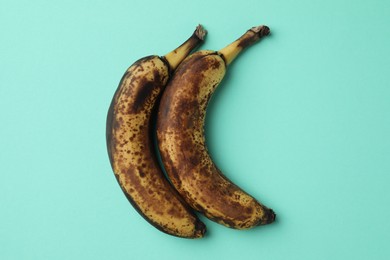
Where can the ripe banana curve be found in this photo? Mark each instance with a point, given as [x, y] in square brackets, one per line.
[181, 141]
[131, 147]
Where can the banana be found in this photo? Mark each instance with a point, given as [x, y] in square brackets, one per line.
[131, 147]
[181, 140]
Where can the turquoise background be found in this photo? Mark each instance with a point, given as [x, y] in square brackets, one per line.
[302, 122]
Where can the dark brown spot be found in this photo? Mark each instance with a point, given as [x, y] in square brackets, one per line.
[142, 94]
[174, 212]
[141, 173]
[245, 42]
[214, 63]
[249, 210]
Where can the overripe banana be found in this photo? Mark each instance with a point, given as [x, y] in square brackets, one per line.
[131, 147]
[180, 134]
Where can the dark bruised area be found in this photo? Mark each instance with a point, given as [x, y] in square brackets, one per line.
[146, 91]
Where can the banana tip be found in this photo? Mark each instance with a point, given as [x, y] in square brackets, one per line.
[200, 229]
[272, 216]
[269, 217]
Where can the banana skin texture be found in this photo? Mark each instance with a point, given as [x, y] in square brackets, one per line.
[131, 147]
[181, 140]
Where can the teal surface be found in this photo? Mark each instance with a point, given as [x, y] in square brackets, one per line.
[302, 122]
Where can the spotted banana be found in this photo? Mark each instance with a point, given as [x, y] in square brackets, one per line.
[181, 140]
[131, 147]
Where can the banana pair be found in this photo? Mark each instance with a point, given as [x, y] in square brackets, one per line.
[185, 85]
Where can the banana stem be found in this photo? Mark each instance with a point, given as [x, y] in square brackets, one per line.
[175, 57]
[230, 52]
